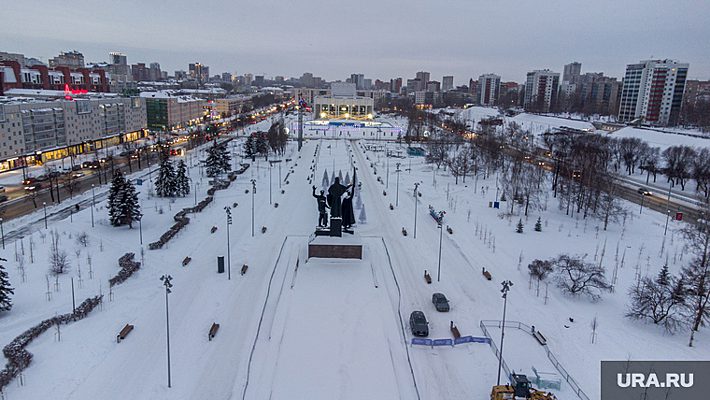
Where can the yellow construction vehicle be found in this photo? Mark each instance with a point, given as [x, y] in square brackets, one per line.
[519, 389]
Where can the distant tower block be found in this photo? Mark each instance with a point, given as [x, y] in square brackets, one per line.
[347, 247]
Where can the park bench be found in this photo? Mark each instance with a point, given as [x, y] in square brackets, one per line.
[263, 229]
[486, 274]
[540, 338]
[244, 269]
[213, 230]
[391, 206]
[448, 229]
[213, 331]
[404, 231]
[454, 330]
[124, 332]
[427, 277]
[186, 261]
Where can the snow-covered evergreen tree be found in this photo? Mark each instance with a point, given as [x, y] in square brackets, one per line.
[165, 184]
[182, 182]
[519, 227]
[325, 182]
[362, 217]
[123, 206]
[218, 160]
[538, 225]
[5, 290]
[250, 147]
[346, 182]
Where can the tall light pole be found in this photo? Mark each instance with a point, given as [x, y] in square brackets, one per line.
[168, 285]
[93, 201]
[397, 195]
[506, 287]
[253, 192]
[140, 228]
[228, 211]
[668, 208]
[441, 238]
[270, 165]
[2, 231]
[387, 185]
[44, 205]
[196, 183]
[416, 203]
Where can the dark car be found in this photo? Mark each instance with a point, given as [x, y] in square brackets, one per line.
[3, 198]
[418, 324]
[440, 302]
[644, 191]
[33, 187]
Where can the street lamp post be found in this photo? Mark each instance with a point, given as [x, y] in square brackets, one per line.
[441, 237]
[506, 287]
[387, 185]
[44, 205]
[228, 211]
[168, 285]
[196, 193]
[668, 208]
[397, 195]
[270, 165]
[2, 232]
[140, 228]
[93, 201]
[416, 203]
[253, 192]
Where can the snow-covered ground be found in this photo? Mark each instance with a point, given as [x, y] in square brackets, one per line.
[329, 329]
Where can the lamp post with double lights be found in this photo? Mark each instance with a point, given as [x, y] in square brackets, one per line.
[506, 287]
[228, 211]
[168, 286]
[253, 192]
[397, 195]
[416, 203]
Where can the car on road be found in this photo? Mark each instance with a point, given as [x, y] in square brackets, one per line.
[90, 164]
[418, 324]
[33, 187]
[3, 198]
[441, 303]
[77, 174]
[2, 189]
[644, 191]
[29, 181]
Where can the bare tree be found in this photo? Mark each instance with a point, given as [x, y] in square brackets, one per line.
[58, 259]
[577, 277]
[659, 300]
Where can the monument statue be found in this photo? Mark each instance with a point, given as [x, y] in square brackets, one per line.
[335, 192]
[322, 213]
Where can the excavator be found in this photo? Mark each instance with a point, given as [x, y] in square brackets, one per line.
[519, 388]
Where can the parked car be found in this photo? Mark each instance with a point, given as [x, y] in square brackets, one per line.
[441, 303]
[2, 189]
[644, 191]
[76, 168]
[29, 181]
[3, 198]
[418, 324]
[77, 175]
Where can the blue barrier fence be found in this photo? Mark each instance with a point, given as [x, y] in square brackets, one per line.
[450, 342]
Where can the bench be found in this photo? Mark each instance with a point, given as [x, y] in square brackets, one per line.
[263, 229]
[244, 269]
[454, 330]
[124, 332]
[448, 229]
[427, 277]
[486, 274]
[186, 261]
[540, 338]
[213, 230]
[391, 206]
[213, 331]
[404, 232]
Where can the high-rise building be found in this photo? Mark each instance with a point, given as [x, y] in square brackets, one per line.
[119, 71]
[198, 72]
[652, 91]
[154, 73]
[259, 80]
[433, 86]
[226, 77]
[396, 85]
[541, 90]
[116, 58]
[180, 75]
[423, 78]
[140, 72]
[71, 59]
[572, 72]
[447, 83]
[248, 79]
[488, 89]
[358, 80]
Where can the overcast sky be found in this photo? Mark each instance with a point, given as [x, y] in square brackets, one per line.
[380, 38]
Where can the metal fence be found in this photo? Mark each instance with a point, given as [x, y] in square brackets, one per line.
[550, 355]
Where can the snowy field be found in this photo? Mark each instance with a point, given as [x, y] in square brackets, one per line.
[328, 329]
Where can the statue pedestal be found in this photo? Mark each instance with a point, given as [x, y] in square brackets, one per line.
[336, 227]
[349, 247]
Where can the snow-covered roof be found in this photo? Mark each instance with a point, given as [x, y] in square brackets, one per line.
[9, 75]
[169, 94]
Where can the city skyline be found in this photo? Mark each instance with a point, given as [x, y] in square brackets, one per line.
[260, 39]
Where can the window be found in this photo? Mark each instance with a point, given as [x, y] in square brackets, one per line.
[2, 113]
[83, 106]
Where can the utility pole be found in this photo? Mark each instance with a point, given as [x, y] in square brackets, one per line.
[253, 192]
[668, 208]
[397, 195]
[93, 201]
[44, 205]
[506, 287]
[416, 203]
[228, 211]
[441, 238]
[168, 285]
